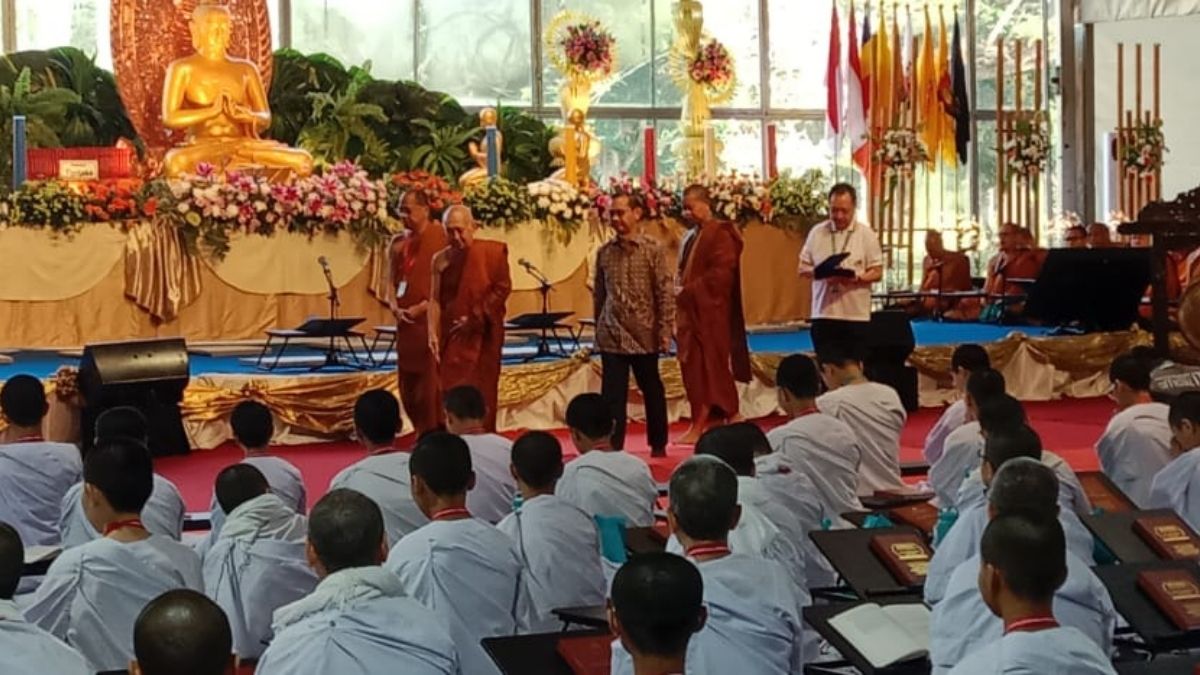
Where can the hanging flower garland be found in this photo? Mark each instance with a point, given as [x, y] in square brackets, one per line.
[580, 48]
[1143, 155]
[1028, 149]
[711, 66]
[900, 150]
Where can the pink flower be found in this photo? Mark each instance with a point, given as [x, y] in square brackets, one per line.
[205, 170]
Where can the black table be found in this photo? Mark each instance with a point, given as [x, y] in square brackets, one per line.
[818, 616]
[528, 654]
[1115, 530]
[1155, 629]
[587, 617]
[1163, 665]
[640, 540]
[849, 551]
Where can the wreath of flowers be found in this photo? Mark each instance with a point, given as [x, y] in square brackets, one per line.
[1028, 149]
[581, 48]
[436, 189]
[802, 200]
[900, 150]
[1142, 154]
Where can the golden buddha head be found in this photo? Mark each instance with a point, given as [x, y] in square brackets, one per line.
[488, 117]
[211, 28]
[576, 117]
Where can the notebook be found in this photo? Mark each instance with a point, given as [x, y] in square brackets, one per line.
[887, 634]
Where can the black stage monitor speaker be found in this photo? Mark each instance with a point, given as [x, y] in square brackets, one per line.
[149, 375]
[889, 343]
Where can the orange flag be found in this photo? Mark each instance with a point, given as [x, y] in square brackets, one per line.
[928, 110]
[945, 97]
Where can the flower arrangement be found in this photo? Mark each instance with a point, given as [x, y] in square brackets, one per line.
[435, 188]
[581, 48]
[51, 205]
[900, 150]
[800, 201]
[740, 197]
[660, 200]
[1028, 149]
[499, 203]
[109, 201]
[712, 66]
[561, 205]
[1142, 155]
[66, 384]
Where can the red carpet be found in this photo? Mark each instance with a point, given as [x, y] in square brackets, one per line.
[1069, 428]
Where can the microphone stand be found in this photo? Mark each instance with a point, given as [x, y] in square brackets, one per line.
[332, 358]
[544, 288]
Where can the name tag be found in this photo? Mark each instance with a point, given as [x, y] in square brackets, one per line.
[402, 289]
[78, 169]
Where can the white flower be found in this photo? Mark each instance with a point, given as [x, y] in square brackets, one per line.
[183, 207]
[231, 210]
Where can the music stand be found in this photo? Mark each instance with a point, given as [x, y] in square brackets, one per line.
[335, 329]
[1100, 289]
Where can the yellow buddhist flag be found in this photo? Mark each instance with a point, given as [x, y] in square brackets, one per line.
[928, 111]
[885, 90]
[945, 97]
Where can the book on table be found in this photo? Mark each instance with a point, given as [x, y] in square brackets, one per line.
[905, 555]
[1168, 536]
[586, 654]
[885, 634]
[1176, 593]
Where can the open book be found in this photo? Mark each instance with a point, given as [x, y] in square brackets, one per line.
[886, 634]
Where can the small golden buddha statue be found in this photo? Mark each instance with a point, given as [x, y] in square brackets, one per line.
[221, 103]
[575, 149]
[479, 151]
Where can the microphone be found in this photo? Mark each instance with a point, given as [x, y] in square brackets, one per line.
[525, 263]
[323, 262]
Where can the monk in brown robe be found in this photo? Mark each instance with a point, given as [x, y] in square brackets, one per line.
[412, 275]
[471, 285]
[710, 326]
[1017, 259]
[944, 271]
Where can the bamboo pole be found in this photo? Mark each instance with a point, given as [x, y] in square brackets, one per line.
[1123, 201]
[1001, 163]
[1135, 205]
[1157, 113]
[1039, 65]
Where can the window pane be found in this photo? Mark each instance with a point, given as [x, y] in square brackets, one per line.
[735, 24]
[476, 51]
[355, 32]
[44, 24]
[800, 145]
[629, 22]
[741, 145]
[1008, 20]
[799, 52]
[622, 148]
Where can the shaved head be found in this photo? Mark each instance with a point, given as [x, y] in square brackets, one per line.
[238, 484]
[704, 498]
[460, 226]
[182, 632]
[12, 561]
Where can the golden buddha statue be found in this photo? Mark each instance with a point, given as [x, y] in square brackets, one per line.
[576, 159]
[479, 151]
[221, 103]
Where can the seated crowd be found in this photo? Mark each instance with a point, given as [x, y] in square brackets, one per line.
[412, 557]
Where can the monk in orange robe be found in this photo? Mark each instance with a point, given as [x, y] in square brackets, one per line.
[944, 271]
[1017, 259]
[412, 275]
[710, 326]
[471, 285]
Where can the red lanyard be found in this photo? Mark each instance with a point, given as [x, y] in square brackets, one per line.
[30, 439]
[603, 446]
[122, 524]
[708, 548]
[451, 514]
[1033, 623]
[476, 430]
[813, 410]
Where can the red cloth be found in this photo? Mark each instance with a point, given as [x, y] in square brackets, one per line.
[420, 393]
[473, 284]
[711, 328]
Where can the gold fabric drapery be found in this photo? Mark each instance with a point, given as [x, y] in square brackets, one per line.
[160, 276]
[44, 267]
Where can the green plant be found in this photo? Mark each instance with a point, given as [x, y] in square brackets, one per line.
[526, 146]
[799, 200]
[340, 128]
[445, 153]
[45, 111]
[499, 203]
[295, 80]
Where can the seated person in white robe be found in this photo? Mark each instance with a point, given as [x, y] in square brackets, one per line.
[1137, 442]
[491, 454]
[962, 541]
[465, 570]
[874, 413]
[360, 620]
[966, 359]
[93, 593]
[603, 481]
[253, 429]
[383, 475]
[164, 511]
[754, 623]
[1022, 564]
[557, 541]
[962, 622]
[182, 631]
[1177, 485]
[961, 448]
[34, 474]
[257, 563]
[822, 447]
[656, 609]
[26, 649]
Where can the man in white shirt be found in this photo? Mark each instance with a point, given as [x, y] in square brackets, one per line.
[962, 623]
[965, 360]
[657, 607]
[93, 593]
[164, 511]
[465, 570]
[1137, 442]
[26, 649]
[1022, 564]
[257, 563]
[872, 410]
[491, 454]
[182, 631]
[822, 447]
[361, 619]
[383, 475]
[754, 623]
[34, 474]
[841, 303]
[556, 540]
[604, 481]
[1177, 485]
